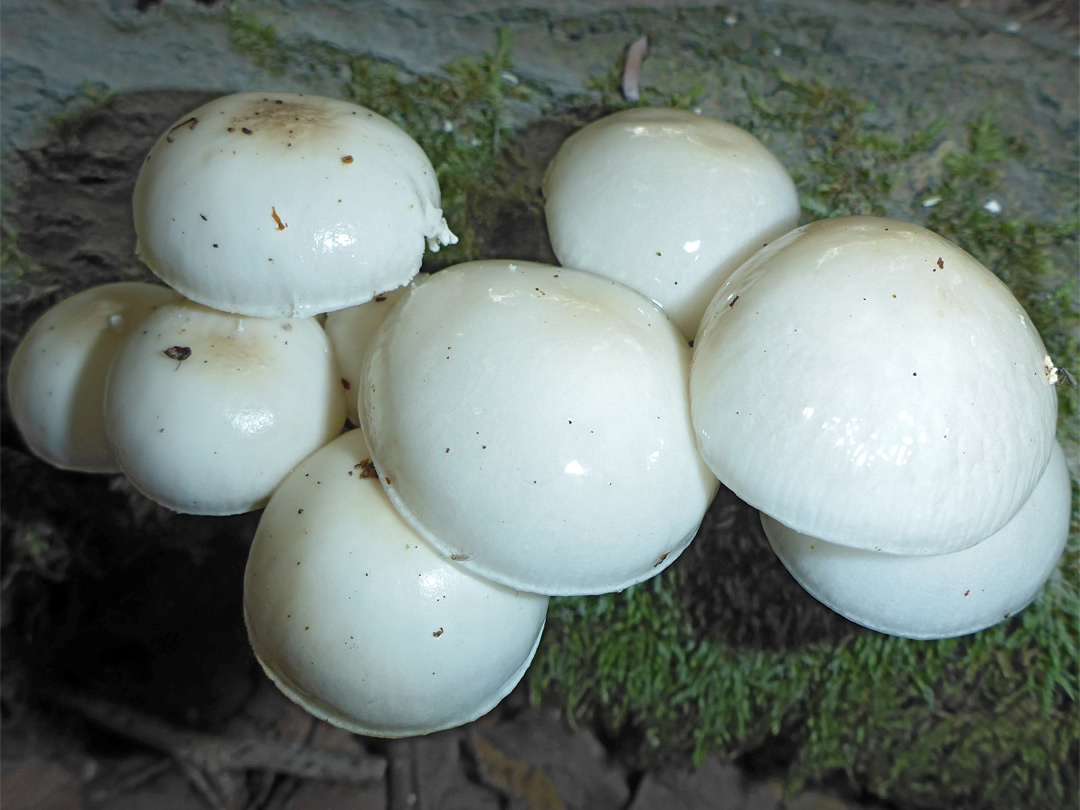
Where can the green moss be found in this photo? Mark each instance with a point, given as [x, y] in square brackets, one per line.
[38, 550]
[459, 120]
[843, 166]
[256, 40]
[982, 722]
[1037, 259]
[986, 721]
[96, 93]
[14, 263]
[634, 662]
[88, 96]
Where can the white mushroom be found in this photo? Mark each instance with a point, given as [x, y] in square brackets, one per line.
[532, 423]
[866, 381]
[359, 621]
[208, 411]
[351, 331]
[943, 595]
[666, 202]
[56, 382]
[282, 204]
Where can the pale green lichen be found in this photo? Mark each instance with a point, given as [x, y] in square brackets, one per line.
[257, 40]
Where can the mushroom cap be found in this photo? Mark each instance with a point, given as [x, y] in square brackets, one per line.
[867, 382]
[56, 381]
[947, 594]
[666, 202]
[532, 422]
[351, 331]
[283, 204]
[208, 411]
[360, 622]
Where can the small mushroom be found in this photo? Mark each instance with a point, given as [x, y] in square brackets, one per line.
[929, 597]
[667, 202]
[533, 421]
[855, 389]
[56, 382]
[284, 204]
[351, 331]
[360, 622]
[208, 411]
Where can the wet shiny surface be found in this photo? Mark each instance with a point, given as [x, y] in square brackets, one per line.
[235, 210]
[865, 381]
[357, 619]
[209, 411]
[666, 202]
[534, 420]
[56, 382]
[943, 595]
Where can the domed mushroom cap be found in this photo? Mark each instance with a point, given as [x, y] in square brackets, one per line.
[283, 204]
[666, 202]
[532, 422]
[944, 595]
[359, 621]
[868, 382]
[56, 382]
[351, 331]
[208, 411]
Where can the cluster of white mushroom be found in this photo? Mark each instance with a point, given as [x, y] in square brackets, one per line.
[874, 391]
[534, 430]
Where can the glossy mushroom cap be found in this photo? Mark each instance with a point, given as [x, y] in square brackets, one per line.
[866, 381]
[351, 331]
[532, 423]
[56, 382]
[947, 594]
[667, 202]
[359, 621]
[208, 411]
[282, 204]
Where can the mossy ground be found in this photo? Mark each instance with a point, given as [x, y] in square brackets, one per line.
[762, 673]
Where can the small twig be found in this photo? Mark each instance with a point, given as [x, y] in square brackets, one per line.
[213, 791]
[131, 781]
[400, 782]
[214, 755]
[1039, 10]
[634, 54]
